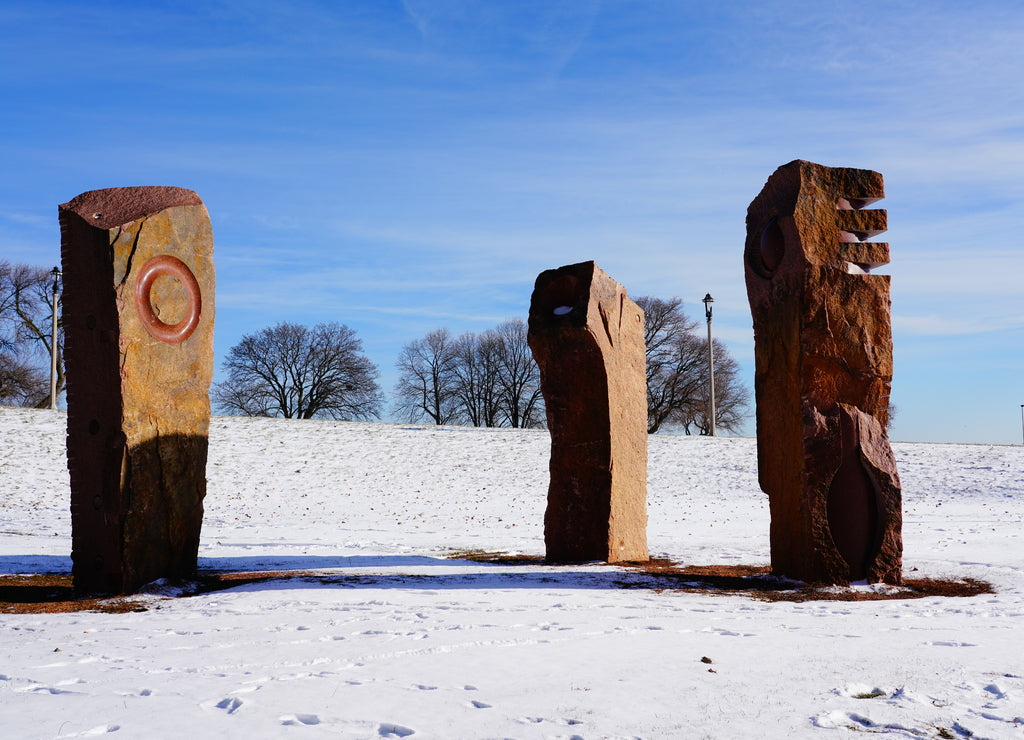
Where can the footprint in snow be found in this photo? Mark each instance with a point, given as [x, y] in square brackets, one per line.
[100, 730]
[994, 691]
[863, 691]
[836, 719]
[729, 633]
[140, 692]
[230, 705]
[40, 689]
[480, 704]
[300, 719]
[388, 729]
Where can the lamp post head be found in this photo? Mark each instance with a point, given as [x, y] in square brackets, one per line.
[707, 300]
[56, 278]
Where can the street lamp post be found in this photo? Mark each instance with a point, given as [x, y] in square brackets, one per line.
[707, 301]
[53, 339]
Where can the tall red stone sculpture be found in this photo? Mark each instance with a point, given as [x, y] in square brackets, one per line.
[587, 337]
[823, 355]
[138, 322]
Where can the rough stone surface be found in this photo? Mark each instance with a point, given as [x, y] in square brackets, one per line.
[588, 339]
[138, 318]
[823, 355]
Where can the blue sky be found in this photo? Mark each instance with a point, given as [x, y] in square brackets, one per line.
[402, 166]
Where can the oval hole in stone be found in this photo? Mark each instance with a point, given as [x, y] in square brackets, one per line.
[773, 245]
[852, 506]
[560, 296]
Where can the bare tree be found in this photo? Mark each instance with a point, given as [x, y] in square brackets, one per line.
[519, 377]
[677, 373]
[427, 381]
[291, 371]
[488, 379]
[475, 372]
[26, 314]
[21, 384]
[731, 397]
[672, 360]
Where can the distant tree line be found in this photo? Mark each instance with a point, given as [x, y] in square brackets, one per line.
[26, 315]
[490, 379]
[486, 379]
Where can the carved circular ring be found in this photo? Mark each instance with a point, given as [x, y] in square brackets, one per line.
[165, 264]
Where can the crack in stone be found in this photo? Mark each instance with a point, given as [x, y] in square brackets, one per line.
[131, 254]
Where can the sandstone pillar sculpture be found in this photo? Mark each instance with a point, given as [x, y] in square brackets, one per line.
[823, 357]
[587, 337]
[138, 323]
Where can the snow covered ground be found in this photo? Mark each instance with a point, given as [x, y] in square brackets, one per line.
[394, 638]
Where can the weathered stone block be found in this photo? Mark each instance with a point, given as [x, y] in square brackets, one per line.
[823, 356]
[138, 322]
[588, 339]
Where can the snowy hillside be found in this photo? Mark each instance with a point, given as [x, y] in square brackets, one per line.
[384, 634]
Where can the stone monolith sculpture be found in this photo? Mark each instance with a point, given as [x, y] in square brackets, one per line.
[138, 323]
[588, 339]
[823, 355]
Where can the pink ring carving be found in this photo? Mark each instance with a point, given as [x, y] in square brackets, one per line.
[165, 264]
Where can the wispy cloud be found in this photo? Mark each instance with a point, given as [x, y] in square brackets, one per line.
[419, 163]
[544, 35]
